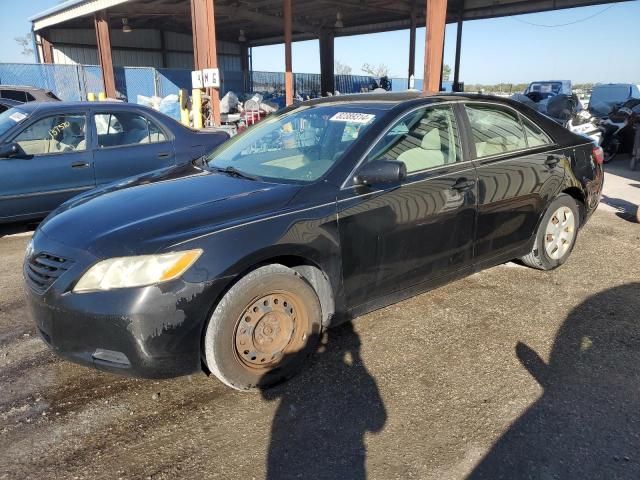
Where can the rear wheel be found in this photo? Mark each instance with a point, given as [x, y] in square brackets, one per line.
[556, 235]
[263, 329]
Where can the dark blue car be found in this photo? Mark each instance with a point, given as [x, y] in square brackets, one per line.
[50, 152]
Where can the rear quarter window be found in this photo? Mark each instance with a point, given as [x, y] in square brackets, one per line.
[536, 137]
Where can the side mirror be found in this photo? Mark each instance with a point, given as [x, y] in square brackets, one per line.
[11, 150]
[381, 172]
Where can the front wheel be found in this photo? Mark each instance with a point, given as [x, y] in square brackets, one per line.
[263, 329]
[633, 163]
[556, 235]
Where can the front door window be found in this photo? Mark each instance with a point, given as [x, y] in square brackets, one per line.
[55, 134]
[424, 139]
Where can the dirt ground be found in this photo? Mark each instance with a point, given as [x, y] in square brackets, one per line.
[510, 373]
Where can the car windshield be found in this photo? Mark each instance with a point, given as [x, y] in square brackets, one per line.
[10, 118]
[611, 94]
[604, 98]
[546, 87]
[298, 146]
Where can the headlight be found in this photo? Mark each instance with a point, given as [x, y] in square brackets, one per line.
[29, 251]
[126, 272]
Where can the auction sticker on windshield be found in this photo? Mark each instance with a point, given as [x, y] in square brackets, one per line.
[353, 117]
[17, 116]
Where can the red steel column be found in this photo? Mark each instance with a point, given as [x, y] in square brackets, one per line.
[434, 44]
[47, 50]
[288, 75]
[103, 34]
[205, 50]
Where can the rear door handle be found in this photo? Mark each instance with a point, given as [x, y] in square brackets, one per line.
[164, 155]
[463, 184]
[79, 165]
[552, 161]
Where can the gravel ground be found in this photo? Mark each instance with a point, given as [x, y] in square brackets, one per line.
[510, 373]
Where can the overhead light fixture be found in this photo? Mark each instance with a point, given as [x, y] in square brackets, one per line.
[242, 38]
[126, 28]
[339, 23]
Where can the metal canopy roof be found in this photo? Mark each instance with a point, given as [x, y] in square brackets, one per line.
[262, 20]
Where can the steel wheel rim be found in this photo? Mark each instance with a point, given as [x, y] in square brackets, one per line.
[270, 327]
[559, 233]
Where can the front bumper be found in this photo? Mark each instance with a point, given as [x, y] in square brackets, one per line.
[151, 332]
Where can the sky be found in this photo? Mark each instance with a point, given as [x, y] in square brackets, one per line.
[603, 48]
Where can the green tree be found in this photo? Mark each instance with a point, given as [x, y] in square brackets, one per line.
[26, 44]
[446, 72]
[376, 71]
[342, 68]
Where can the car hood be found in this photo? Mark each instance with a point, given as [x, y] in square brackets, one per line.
[148, 213]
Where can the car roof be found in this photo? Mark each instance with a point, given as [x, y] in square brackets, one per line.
[605, 85]
[391, 99]
[55, 106]
[26, 88]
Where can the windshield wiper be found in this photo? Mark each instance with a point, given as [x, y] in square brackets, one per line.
[233, 172]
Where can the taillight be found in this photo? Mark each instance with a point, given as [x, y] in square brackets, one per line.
[598, 155]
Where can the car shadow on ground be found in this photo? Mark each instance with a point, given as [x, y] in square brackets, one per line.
[626, 210]
[587, 422]
[17, 228]
[620, 166]
[319, 427]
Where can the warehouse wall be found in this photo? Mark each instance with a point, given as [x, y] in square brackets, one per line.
[140, 48]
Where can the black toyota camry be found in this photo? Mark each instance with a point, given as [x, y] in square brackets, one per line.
[234, 264]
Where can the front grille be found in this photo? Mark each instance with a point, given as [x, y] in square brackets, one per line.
[42, 270]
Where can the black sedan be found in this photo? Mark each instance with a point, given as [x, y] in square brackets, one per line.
[50, 152]
[235, 263]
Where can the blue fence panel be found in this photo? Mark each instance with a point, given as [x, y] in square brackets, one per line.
[64, 80]
[134, 81]
[267, 82]
[231, 81]
[171, 80]
[74, 82]
[353, 83]
[401, 84]
[93, 82]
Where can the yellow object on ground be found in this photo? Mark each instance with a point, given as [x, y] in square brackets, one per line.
[197, 108]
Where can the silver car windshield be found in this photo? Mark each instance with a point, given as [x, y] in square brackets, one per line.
[11, 118]
[299, 146]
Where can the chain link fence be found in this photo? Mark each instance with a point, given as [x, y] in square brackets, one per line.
[74, 82]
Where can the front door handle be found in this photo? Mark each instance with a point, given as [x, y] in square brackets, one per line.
[79, 165]
[552, 161]
[463, 184]
[164, 155]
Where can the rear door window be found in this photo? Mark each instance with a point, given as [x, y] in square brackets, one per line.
[119, 129]
[16, 95]
[495, 130]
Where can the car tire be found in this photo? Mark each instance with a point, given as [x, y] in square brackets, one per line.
[556, 235]
[263, 329]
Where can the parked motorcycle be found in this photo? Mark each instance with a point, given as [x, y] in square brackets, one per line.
[585, 124]
[566, 109]
[619, 130]
[635, 154]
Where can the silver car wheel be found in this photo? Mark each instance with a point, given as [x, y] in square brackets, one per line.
[560, 233]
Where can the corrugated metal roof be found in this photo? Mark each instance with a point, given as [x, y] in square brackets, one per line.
[70, 10]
